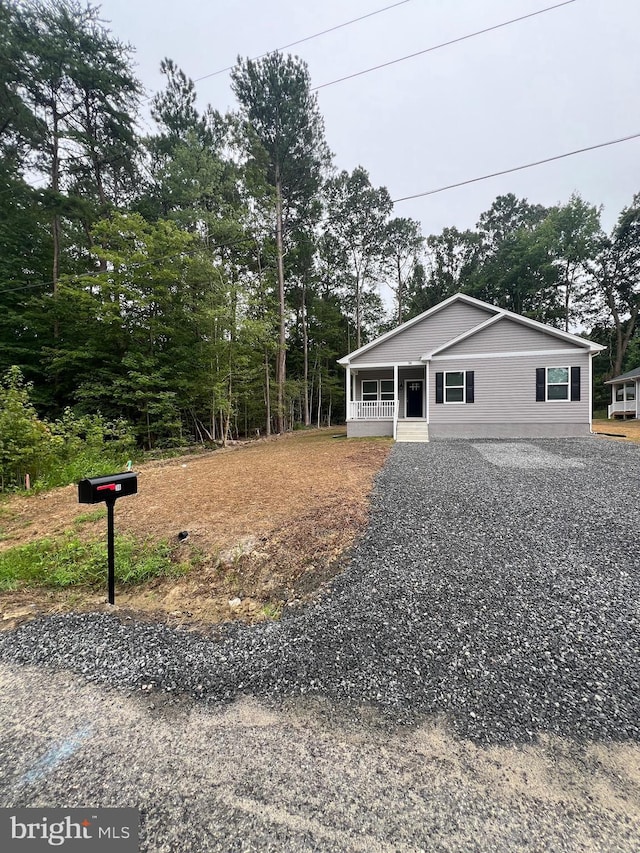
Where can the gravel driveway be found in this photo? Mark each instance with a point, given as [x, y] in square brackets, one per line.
[496, 590]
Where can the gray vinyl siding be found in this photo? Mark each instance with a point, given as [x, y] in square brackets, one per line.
[424, 336]
[505, 391]
[507, 336]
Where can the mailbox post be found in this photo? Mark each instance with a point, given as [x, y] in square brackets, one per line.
[107, 490]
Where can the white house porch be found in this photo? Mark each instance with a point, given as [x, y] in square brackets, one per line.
[625, 395]
[379, 398]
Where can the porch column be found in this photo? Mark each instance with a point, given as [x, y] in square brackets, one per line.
[348, 412]
[426, 389]
[396, 391]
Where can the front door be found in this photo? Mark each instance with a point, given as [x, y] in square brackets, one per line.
[414, 398]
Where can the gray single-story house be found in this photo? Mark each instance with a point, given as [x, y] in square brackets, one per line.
[467, 369]
[625, 395]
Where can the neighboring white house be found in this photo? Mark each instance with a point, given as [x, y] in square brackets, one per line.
[625, 395]
[467, 369]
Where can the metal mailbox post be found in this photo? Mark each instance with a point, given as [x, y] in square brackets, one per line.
[96, 490]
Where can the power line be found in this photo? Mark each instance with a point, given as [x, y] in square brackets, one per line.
[307, 38]
[519, 168]
[442, 44]
[240, 240]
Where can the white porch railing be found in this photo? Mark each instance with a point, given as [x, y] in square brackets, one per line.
[628, 406]
[372, 410]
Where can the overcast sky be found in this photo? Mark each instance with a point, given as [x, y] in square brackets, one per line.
[562, 80]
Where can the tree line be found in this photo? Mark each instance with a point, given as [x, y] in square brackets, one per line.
[200, 281]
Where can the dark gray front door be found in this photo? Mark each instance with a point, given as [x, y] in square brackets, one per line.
[414, 398]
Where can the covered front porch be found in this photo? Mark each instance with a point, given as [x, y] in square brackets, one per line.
[379, 398]
[625, 396]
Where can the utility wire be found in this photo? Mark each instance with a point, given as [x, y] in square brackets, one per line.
[240, 240]
[519, 168]
[307, 38]
[442, 44]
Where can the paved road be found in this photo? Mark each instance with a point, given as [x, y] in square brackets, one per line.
[523, 726]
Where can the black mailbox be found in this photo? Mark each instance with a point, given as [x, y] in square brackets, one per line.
[94, 490]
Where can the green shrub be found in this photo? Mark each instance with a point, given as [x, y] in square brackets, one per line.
[58, 453]
[27, 445]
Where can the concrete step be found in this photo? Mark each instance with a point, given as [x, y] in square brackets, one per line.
[416, 431]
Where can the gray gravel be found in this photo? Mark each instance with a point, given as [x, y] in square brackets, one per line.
[497, 591]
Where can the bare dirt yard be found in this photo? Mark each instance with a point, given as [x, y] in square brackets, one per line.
[268, 523]
[626, 430]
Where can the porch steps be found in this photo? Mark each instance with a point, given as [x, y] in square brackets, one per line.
[412, 431]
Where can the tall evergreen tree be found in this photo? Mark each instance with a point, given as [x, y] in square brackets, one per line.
[284, 136]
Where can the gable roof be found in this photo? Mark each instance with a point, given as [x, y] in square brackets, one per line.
[407, 325]
[630, 374]
[498, 314]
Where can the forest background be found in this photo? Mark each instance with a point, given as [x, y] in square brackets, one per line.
[198, 283]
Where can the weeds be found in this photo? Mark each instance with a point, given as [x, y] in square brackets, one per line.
[68, 561]
[271, 611]
[87, 517]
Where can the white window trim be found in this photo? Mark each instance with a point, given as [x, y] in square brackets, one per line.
[379, 398]
[392, 392]
[547, 383]
[464, 389]
[369, 399]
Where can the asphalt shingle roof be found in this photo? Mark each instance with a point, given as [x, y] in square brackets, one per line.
[630, 374]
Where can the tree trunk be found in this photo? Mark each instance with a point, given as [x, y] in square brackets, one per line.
[400, 293]
[267, 393]
[305, 344]
[358, 312]
[55, 225]
[281, 361]
[567, 298]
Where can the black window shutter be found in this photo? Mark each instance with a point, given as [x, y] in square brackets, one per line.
[540, 384]
[575, 384]
[469, 386]
[439, 387]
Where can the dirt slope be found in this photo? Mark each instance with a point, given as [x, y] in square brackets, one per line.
[269, 520]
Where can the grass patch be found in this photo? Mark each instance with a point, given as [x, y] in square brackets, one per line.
[272, 611]
[87, 517]
[68, 561]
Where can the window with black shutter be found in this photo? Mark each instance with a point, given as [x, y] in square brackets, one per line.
[575, 384]
[557, 384]
[455, 386]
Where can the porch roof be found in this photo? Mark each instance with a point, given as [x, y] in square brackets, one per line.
[630, 374]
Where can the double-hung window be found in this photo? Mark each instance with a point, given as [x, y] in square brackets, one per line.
[454, 386]
[386, 389]
[370, 389]
[557, 383]
[377, 389]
